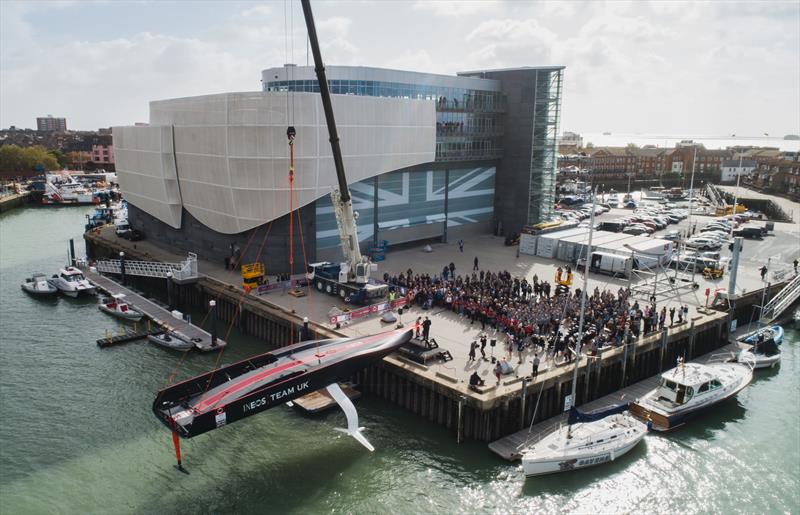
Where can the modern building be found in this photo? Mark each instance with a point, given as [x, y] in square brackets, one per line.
[50, 124]
[428, 157]
[732, 168]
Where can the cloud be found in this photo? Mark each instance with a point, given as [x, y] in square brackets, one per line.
[509, 42]
[456, 8]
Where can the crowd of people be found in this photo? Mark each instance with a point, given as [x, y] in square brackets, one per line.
[533, 316]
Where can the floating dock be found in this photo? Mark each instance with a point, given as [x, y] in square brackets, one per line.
[128, 336]
[321, 400]
[161, 316]
[510, 447]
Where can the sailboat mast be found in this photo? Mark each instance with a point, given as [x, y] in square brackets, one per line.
[583, 297]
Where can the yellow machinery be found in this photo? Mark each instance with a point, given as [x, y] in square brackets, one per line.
[728, 210]
[714, 272]
[252, 276]
[564, 278]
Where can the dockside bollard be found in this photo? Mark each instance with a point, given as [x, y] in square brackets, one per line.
[169, 291]
[213, 313]
[122, 267]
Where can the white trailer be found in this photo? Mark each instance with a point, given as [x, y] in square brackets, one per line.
[616, 265]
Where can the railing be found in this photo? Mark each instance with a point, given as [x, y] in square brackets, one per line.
[784, 299]
[466, 155]
[186, 270]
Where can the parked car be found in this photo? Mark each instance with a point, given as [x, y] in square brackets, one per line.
[673, 235]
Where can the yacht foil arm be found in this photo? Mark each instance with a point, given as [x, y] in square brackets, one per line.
[352, 415]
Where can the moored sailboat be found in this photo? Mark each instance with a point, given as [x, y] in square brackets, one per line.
[586, 440]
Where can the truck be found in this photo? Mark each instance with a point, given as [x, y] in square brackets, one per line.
[616, 265]
[350, 279]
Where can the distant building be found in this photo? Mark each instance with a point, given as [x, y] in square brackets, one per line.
[102, 151]
[50, 124]
[571, 139]
[731, 168]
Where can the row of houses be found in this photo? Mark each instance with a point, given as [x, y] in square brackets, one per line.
[776, 176]
[651, 161]
[92, 147]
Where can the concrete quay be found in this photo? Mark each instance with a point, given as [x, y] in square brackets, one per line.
[438, 391]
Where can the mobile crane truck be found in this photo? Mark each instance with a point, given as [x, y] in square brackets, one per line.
[350, 278]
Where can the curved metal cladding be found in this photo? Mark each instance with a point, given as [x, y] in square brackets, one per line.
[146, 171]
[232, 153]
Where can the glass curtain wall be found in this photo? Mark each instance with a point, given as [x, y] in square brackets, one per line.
[468, 122]
[547, 106]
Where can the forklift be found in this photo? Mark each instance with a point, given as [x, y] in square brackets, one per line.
[714, 270]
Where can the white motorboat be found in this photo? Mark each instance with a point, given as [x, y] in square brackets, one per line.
[64, 189]
[70, 281]
[37, 284]
[759, 357]
[689, 390]
[584, 444]
[601, 438]
[117, 307]
[764, 351]
[172, 340]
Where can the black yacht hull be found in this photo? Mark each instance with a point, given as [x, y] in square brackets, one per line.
[189, 398]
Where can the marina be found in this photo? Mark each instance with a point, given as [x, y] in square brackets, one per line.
[370, 290]
[411, 451]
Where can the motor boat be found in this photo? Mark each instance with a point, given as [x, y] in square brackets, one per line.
[70, 281]
[64, 189]
[759, 357]
[602, 437]
[772, 332]
[117, 307]
[764, 350]
[689, 390]
[37, 284]
[230, 393]
[172, 340]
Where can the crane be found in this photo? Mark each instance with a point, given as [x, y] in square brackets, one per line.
[350, 278]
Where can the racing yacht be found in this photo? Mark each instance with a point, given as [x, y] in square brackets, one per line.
[225, 395]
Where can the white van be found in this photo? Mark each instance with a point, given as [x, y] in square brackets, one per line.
[608, 263]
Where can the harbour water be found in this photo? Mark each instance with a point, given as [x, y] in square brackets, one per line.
[77, 434]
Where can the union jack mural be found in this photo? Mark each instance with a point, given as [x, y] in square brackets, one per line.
[406, 199]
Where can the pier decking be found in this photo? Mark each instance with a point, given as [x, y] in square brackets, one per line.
[510, 447]
[158, 314]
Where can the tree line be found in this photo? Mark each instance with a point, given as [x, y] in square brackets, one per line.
[14, 158]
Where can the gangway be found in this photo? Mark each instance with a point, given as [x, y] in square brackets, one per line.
[183, 272]
[785, 298]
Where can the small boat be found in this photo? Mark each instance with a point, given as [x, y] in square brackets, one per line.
[71, 282]
[773, 332]
[603, 437]
[115, 306]
[764, 351]
[171, 340]
[37, 284]
[689, 390]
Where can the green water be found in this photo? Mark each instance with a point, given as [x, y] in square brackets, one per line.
[77, 435]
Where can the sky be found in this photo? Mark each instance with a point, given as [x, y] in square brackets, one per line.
[654, 67]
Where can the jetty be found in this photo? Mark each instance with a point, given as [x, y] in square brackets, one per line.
[321, 400]
[158, 314]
